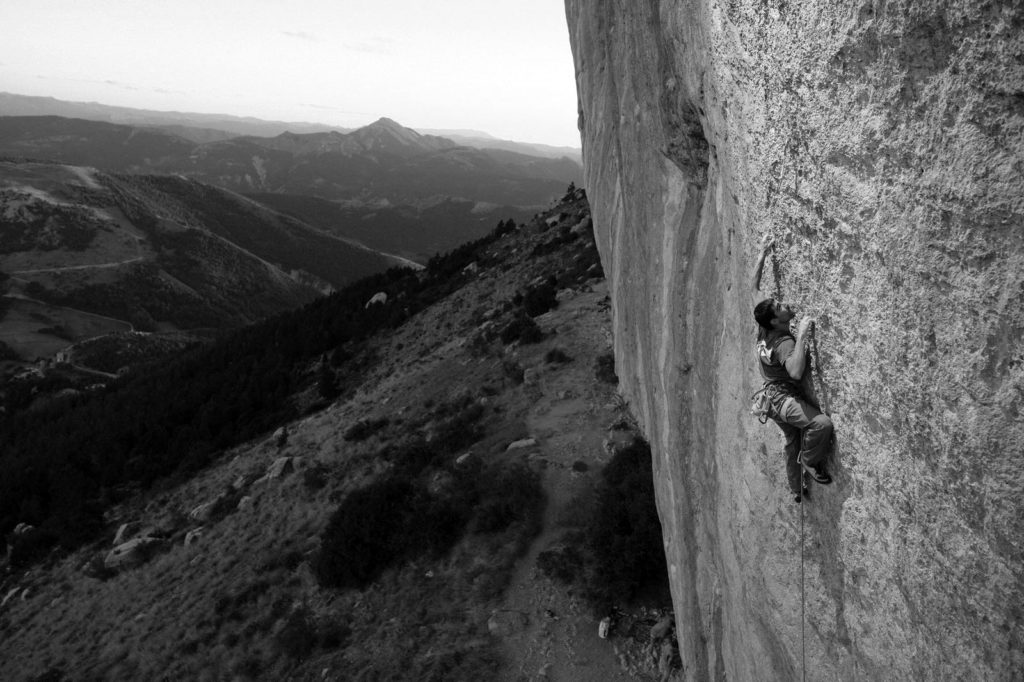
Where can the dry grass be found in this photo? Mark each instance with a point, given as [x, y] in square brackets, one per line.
[244, 603]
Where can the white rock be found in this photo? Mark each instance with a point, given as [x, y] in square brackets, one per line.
[194, 535]
[132, 553]
[381, 297]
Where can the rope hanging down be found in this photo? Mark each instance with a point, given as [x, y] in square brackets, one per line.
[803, 640]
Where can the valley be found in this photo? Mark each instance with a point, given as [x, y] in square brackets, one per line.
[487, 373]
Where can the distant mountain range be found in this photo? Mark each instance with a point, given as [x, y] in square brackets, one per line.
[168, 221]
[380, 161]
[84, 253]
[213, 127]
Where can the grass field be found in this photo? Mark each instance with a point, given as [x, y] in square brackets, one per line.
[35, 329]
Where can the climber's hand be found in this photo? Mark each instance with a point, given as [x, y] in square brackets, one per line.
[767, 242]
[805, 324]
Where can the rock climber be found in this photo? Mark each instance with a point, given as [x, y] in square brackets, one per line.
[783, 362]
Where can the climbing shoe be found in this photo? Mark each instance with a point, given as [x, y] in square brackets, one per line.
[818, 474]
[802, 495]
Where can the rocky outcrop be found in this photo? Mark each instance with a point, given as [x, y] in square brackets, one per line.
[881, 144]
[133, 553]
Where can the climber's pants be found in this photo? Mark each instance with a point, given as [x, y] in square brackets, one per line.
[808, 434]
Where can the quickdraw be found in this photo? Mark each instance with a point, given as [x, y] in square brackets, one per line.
[763, 402]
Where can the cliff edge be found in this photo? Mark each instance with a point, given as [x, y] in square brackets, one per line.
[882, 144]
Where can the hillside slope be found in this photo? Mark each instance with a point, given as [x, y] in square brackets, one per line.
[234, 589]
[880, 145]
[382, 160]
[151, 252]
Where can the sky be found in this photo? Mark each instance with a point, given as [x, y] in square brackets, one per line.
[504, 68]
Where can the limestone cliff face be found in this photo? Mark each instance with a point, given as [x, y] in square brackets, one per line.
[882, 143]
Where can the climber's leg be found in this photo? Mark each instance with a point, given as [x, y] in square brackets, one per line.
[794, 474]
[817, 433]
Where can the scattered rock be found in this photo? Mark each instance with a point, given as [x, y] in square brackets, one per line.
[520, 444]
[661, 628]
[194, 535]
[280, 436]
[243, 482]
[132, 553]
[126, 532]
[531, 377]
[246, 503]
[282, 466]
[603, 627]
[10, 596]
[466, 461]
[204, 512]
[380, 297]
[471, 269]
[23, 529]
[582, 227]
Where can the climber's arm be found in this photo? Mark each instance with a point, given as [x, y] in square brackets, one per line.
[766, 244]
[797, 360]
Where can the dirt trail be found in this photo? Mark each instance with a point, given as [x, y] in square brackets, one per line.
[550, 634]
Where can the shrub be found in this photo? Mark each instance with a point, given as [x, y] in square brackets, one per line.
[297, 635]
[624, 537]
[564, 563]
[539, 299]
[513, 370]
[361, 537]
[315, 477]
[522, 329]
[604, 368]
[619, 550]
[385, 524]
[510, 494]
[556, 355]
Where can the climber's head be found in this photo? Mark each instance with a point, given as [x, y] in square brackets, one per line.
[773, 315]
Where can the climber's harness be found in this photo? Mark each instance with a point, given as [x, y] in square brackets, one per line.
[765, 403]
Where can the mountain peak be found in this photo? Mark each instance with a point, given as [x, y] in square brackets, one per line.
[386, 133]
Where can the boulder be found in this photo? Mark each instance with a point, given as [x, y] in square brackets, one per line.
[194, 535]
[133, 553]
[126, 531]
[204, 512]
[582, 227]
[379, 298]
[10, 595]
[661, 628]
[281, 467]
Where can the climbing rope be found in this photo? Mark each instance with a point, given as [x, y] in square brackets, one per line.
[803, 640]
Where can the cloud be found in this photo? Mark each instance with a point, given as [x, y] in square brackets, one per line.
[113, 84]
[300, 35]
[376, 45]
[123, 86]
